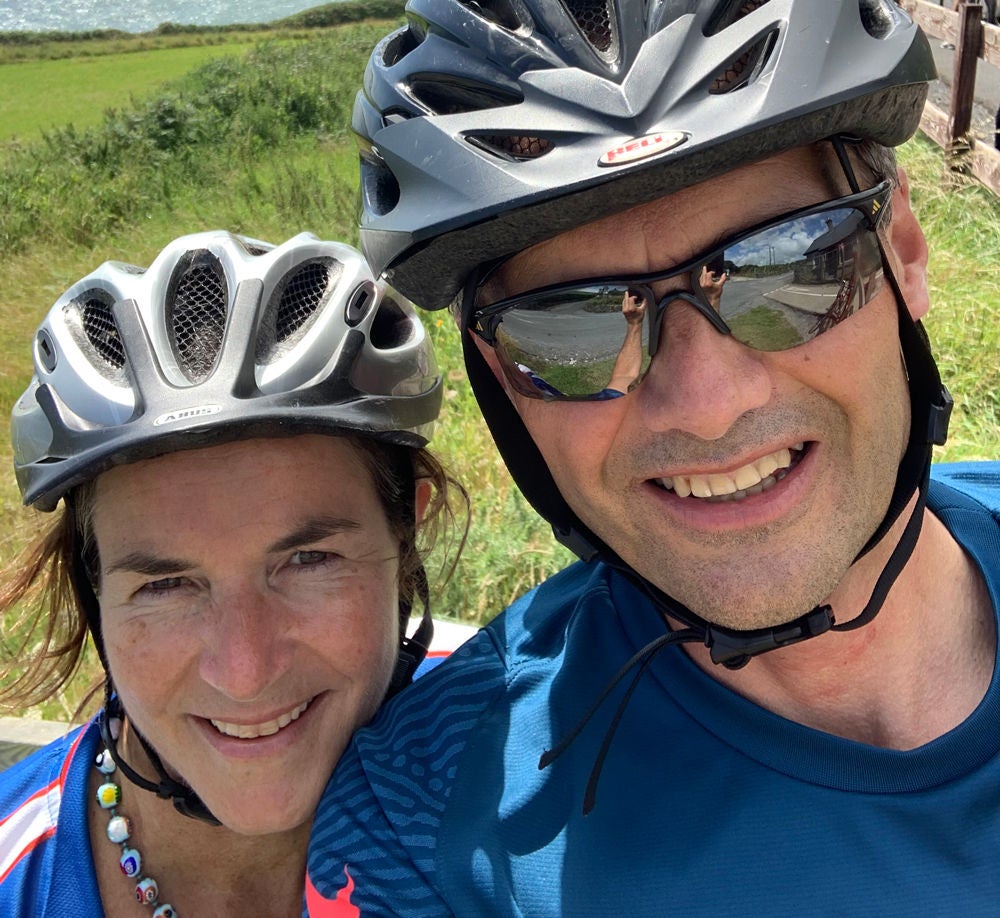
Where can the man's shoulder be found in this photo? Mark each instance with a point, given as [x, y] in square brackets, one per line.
[529, 632]
[507, 661]
[977, 481]
[378, 823]
[535, 624]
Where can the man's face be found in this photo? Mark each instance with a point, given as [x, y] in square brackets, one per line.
[809, 438]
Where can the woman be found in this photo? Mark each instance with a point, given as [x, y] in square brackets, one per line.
[237, 437]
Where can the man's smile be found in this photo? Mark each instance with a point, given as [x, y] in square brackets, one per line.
[752, 478]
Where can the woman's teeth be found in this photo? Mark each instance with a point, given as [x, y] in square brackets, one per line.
[268, 728]
[752, 478]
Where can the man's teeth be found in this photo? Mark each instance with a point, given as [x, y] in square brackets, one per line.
[268, 728]
[752, 478]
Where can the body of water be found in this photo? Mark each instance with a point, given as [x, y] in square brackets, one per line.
[138, 15]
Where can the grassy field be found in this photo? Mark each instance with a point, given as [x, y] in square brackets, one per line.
[41, 95]
[257, 141]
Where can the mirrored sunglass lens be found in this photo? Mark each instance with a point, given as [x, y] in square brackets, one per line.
[587, 342]
[789, 283]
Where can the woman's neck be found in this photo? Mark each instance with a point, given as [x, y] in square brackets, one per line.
[200, 869]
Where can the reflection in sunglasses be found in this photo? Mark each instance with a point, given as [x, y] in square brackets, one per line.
[772, 287]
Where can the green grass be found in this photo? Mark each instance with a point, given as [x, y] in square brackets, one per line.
[41, 95]
[766, 327]
[961, 220]
[260, 144]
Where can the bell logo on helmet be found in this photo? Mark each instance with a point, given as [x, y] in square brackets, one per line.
[643, 147]
[187, 414]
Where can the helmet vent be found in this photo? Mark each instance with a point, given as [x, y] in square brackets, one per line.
[398, 46]
[501, 12]
[304, 291]
[744, 69]
[251, 248]
[101, 330]
[731, 11]
[879, 17]
[513, 146]
[596, 20]
[453, 97]
[391, 327]
[379, 188]
[197, 304]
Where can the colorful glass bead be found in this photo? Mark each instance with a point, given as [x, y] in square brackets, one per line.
[130, 862]
[146, 890]
[109, 795]
[119, 829]
[165, 911]
[105, 764]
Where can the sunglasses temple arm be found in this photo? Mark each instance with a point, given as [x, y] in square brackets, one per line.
[845, 162]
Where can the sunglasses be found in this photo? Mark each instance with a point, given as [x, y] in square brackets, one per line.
[772, 287]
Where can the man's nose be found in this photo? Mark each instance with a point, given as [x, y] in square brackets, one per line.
[701, 380]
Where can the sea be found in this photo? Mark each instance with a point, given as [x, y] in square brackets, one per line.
[138, 15]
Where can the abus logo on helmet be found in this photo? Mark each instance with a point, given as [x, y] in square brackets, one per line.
[187, 414]
[641, 147]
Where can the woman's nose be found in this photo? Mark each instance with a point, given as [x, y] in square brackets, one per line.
[247, 647]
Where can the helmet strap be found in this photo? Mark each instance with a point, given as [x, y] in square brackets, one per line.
[185, 800]
[413, 649]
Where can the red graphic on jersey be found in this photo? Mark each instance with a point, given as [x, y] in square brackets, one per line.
[318, 906]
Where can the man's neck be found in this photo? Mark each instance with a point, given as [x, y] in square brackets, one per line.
[915, 672]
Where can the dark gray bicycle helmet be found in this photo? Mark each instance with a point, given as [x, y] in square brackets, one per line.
[221, 338]
[486, 126]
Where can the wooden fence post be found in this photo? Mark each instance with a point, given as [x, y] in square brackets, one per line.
[963, 85]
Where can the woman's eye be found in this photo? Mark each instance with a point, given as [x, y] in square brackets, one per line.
[164, 585]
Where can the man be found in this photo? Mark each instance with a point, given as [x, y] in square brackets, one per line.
[822, 740]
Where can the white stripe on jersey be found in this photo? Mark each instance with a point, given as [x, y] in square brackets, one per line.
[31, 823]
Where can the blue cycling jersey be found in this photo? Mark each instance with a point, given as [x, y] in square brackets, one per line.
[46, 866]
[707, 805]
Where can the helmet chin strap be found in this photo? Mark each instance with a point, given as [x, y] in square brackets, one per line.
[185, 800]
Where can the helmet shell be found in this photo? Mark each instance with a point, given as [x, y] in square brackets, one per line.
[486, 127]
[221, 338]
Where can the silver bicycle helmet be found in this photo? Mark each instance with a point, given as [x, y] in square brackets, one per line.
[486, 126]
[221, 338]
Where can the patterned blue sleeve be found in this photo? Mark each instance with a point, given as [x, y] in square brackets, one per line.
[372, 851]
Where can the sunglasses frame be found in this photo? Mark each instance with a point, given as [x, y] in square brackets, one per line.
[486, 320]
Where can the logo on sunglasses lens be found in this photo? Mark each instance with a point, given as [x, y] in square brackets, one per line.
[641, 147]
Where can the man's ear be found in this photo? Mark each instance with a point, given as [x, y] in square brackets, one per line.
[908, 249]
[422, 498]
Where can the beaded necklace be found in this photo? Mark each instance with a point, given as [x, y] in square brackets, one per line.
[109, 795]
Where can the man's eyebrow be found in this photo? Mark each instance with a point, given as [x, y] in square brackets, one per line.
[315, 530]
[140, 562]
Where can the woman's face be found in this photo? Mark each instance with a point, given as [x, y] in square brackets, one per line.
[248, 598]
